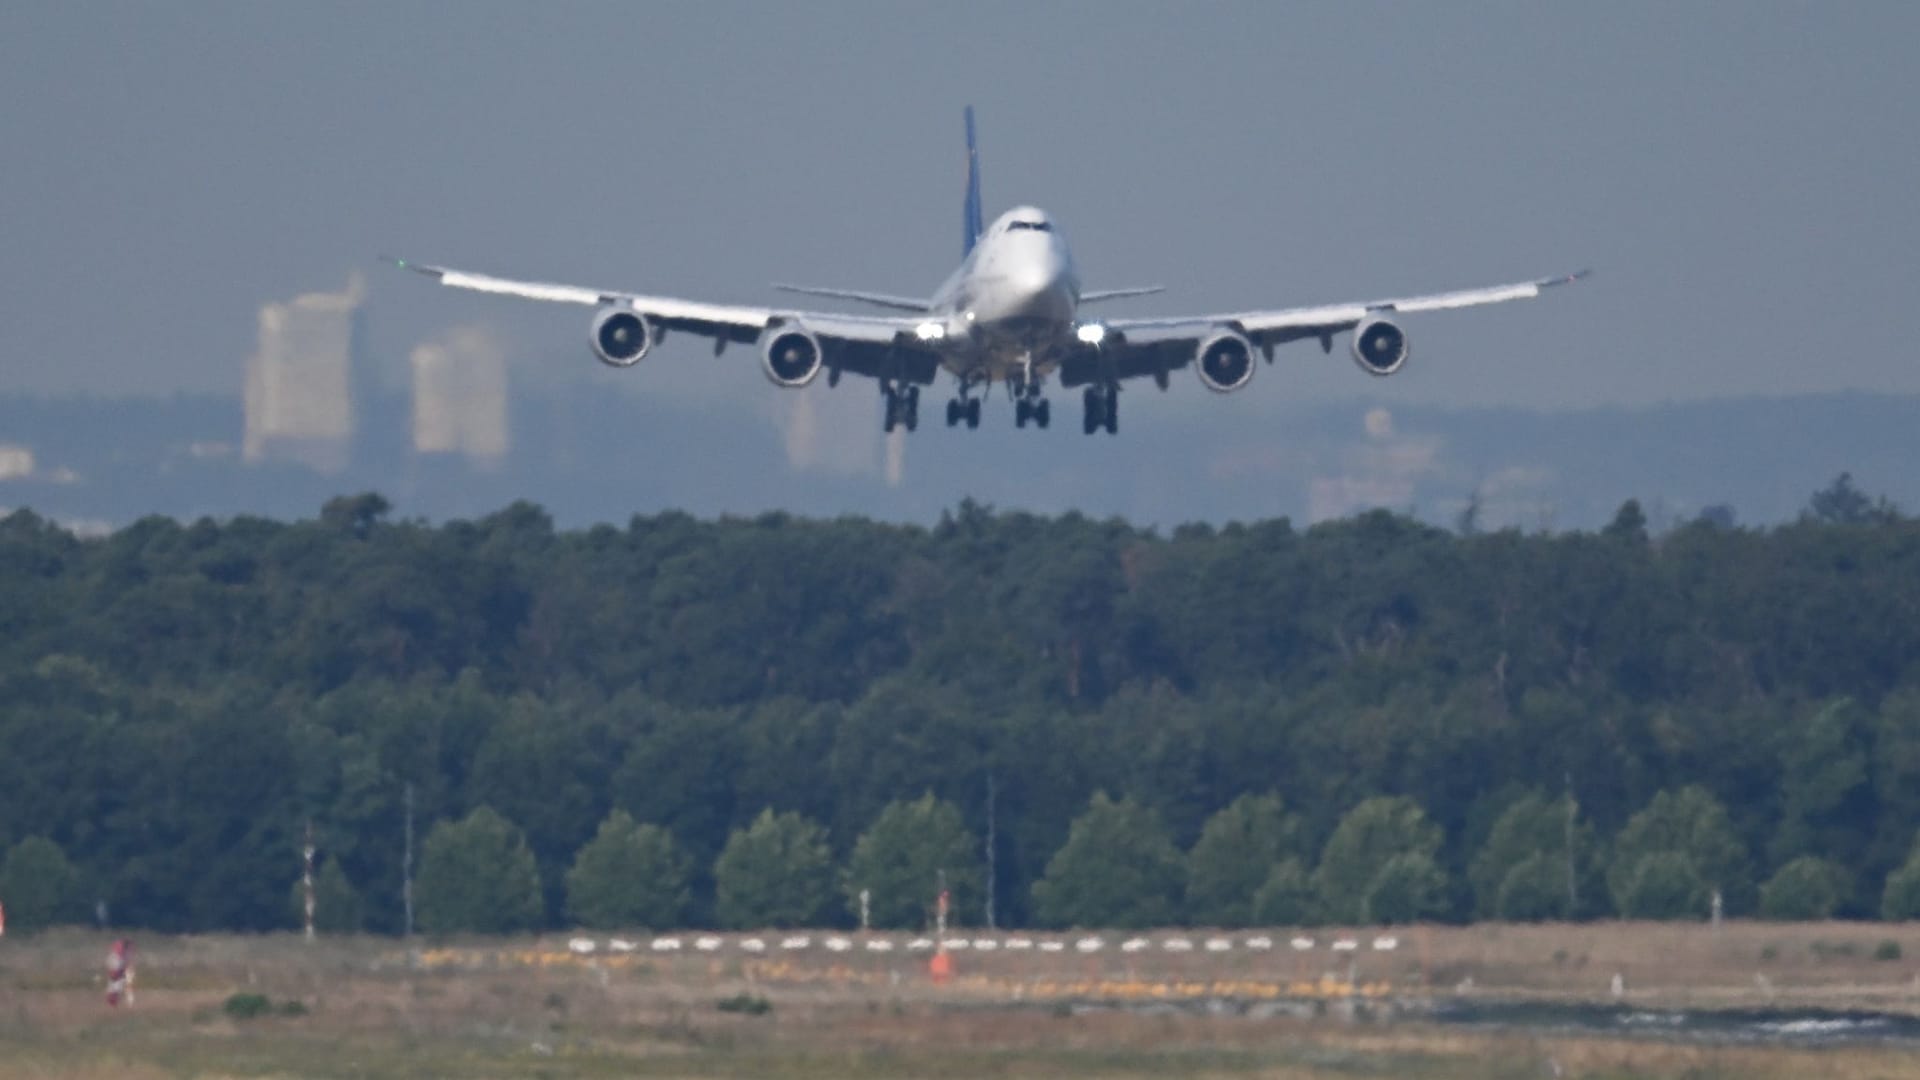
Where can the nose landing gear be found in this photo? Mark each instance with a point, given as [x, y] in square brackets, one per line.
[964, 410]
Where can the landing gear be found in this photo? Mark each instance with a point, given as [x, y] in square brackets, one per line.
[1029, 405]
[963, 410]
[903, 407]
[1102, 410]
[1034, 409]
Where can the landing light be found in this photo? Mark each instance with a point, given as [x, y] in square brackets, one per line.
[930, 331]
[1091, 333]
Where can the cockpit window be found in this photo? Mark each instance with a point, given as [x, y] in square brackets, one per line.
[1036, 226]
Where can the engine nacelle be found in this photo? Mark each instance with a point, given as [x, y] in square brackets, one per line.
[1225, 361]
[791, 356]
[1379, 345]
[621, 336]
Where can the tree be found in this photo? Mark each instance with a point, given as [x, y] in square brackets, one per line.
[37, 884]
[901, 858]
[1806, 888]
[1900, 900]
[1663, 885]
[1117, 869]
[1691, 826]
[478, 876]
[628, 875]
[1410, 887]
[337, 908]
[1842, 503]
[776, 872]
[1369, 839]
[1286, 897]
[1237, 852]
[1534, 832]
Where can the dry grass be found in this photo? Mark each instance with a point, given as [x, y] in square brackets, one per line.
[527, 1008]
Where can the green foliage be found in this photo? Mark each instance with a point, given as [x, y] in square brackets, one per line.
[776, 872]
[1410, 887]
[628, 875]
[177, 699]
[901, 859]
[38, 885]
[478, 876]
[1364, 855]
[1521, 872]
[247, 1006]
[1663, 885]
[1887, 950]
[1690, 830]
[1533, 890]
[1286, 897]
[1117, 869]
[1900, 899]
[745, 1004]
[337, 907]
[1238, 851]
[1806, 888]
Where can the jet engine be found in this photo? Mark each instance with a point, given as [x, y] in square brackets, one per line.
[791, 357]
[1379, 346]
[621, 336]
[1225, 361]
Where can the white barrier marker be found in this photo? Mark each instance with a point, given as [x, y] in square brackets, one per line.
[797, 941]
[1218, 944]
[1089, 944]
[1301, 944]
[879, 945]
[920, 944]
[1052, 946]
[1260, 944]
[706, 943]
[1345, 945]
[838, 944]
[666, 944]
[1177, 944]
[1385, 944]
[753, 945]
[1019, 944]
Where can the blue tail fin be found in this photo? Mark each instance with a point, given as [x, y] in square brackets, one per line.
[973, 223]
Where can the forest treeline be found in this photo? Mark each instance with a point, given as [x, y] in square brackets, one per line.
[1371, 718]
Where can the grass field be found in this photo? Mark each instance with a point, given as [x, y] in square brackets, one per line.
[366, 1007]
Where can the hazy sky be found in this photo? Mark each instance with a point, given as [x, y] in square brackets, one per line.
[1741, 175]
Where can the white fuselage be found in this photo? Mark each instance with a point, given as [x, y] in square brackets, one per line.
[1009, 311]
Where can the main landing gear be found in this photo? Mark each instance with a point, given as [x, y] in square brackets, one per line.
[1102, 410]
[903, 407]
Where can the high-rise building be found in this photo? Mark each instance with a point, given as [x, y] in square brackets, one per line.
[299, 396]
[460, 397]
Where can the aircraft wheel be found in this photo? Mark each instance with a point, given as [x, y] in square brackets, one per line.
[1020, 409]
[1042, 413]
[953, 412]
[973, 414]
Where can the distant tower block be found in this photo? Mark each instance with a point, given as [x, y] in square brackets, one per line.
[460, 397]
[300, 381]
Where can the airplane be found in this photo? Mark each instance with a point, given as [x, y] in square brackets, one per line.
[1010, 314]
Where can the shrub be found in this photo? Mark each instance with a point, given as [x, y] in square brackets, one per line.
[745, 1004]
[1887, 950]
[247, 1006]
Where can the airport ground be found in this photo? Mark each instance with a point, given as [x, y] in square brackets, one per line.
[539, 1007]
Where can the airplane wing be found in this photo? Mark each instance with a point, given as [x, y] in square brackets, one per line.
[1154, 346]
[885, 300]
[876, 346]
